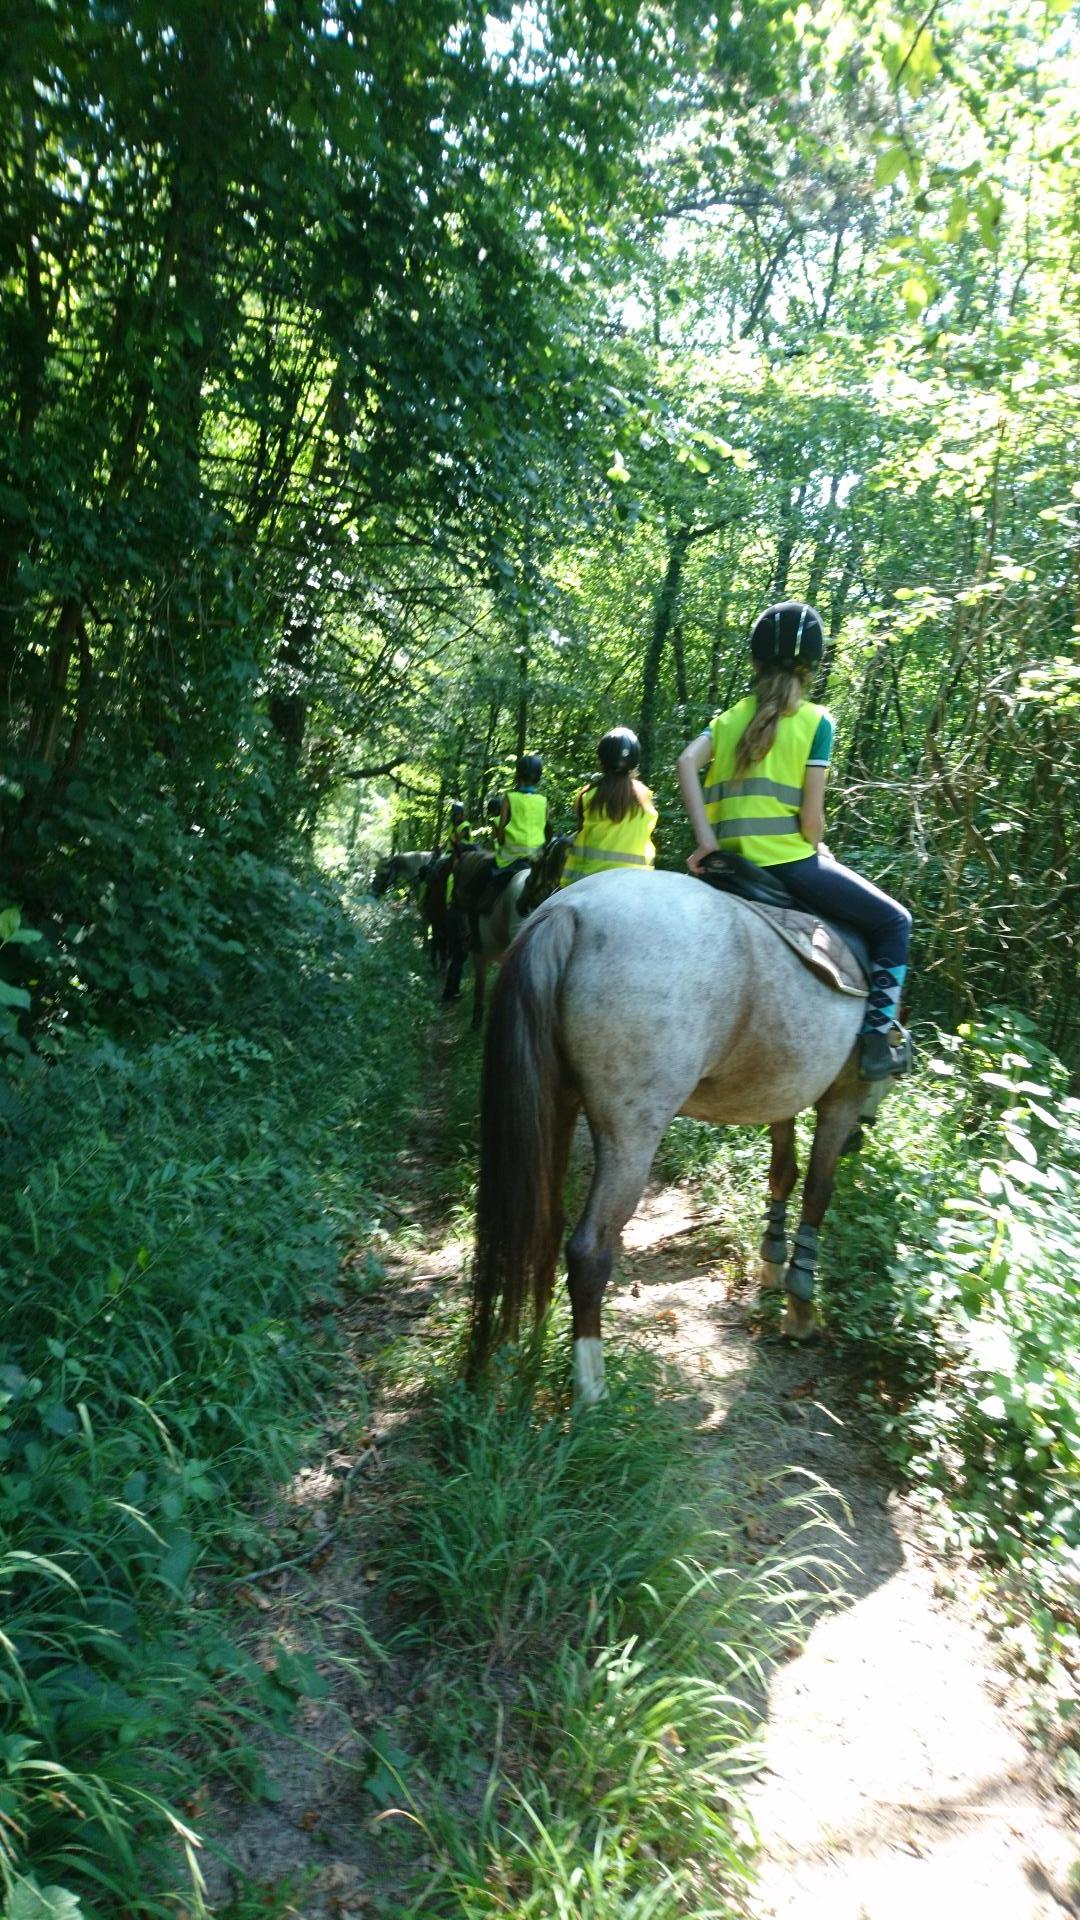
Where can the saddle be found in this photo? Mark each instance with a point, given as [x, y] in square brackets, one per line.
[837, 953]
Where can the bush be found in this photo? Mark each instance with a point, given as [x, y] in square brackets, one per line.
[953, 1250]
[174, 1213]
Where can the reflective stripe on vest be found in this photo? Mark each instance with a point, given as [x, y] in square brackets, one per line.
[757, 815]
[602, 843]
[524, 829]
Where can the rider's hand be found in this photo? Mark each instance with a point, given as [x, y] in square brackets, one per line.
[699, 854]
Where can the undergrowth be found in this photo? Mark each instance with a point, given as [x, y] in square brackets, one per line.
[174, 1210]
[591, 1661]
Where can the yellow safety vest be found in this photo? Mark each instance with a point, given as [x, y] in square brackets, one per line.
[757, 814]
[602, 843]
[525, 828]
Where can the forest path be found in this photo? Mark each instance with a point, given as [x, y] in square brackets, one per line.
[895, 1780]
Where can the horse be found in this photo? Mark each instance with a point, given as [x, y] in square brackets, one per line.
[399, 869]
[500, 925]
[636, 997]
[436, 913]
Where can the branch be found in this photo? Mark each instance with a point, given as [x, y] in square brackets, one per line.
[374, 773]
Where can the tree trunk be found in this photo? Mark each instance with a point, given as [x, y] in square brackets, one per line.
[664, 611]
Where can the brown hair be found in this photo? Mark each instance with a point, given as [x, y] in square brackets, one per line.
[618, 795]
[779, 691]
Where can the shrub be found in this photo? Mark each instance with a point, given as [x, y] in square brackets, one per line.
[174, 1211]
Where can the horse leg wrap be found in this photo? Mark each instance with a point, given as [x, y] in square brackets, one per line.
[773, 1246]
[799, 1278]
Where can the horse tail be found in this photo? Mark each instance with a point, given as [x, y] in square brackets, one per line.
[523, 1138]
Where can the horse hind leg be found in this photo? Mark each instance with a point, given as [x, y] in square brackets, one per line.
[567, 1108]
[783, 1173]
[835, 1120]
[621, 1170]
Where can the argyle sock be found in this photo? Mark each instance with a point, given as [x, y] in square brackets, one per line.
[883, 1004]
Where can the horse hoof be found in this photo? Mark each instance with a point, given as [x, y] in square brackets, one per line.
[770, 1276]
[801, 1321]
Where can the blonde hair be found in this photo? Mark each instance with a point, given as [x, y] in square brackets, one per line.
[779, 691]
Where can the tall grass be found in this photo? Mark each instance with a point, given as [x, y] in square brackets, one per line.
[174, 1213]
[580, 1631]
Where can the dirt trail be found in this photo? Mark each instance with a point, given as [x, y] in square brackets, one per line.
[896, 1782]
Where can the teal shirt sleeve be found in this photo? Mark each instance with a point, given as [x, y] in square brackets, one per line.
[821, 746]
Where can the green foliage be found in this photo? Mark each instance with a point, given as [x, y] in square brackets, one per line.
[951, 1257]
[174, 1214]
[577, 1624]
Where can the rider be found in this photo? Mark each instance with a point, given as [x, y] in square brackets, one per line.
[615, 813]
[764, 798]
[519, 825]
[459, 836]
[522, 827]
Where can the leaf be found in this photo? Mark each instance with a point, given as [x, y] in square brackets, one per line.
[178, 1562]
[958, 218]
[1021, 1146]
[387, 1763]
[889, 165]
[298, 1672]
[28, 1901]
[13, 996]
[915, 294]
[994, 1407]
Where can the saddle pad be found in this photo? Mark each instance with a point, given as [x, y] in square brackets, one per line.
[817, 945]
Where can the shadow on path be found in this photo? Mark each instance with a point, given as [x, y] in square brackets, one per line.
[894, 1781]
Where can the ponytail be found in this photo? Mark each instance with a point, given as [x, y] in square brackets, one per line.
[618, 796]
[779, 692]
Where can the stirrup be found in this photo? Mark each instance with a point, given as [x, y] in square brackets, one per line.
[889, 1054]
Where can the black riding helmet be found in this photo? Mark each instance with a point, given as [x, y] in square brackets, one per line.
[619, 750]
[457, 812]
[530, 770]
[787, 635]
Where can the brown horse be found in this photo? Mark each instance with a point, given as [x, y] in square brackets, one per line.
[501, 923]
[636, 997]
[436, 914]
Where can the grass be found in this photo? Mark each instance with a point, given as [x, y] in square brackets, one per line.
[175, 1211]
[592, 1658]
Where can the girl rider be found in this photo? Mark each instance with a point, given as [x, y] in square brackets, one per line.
[459, 836]
[522, 828]
[764, 798]
[616, 815]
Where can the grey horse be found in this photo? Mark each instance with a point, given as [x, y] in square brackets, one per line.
[400, 870]
[636, 997]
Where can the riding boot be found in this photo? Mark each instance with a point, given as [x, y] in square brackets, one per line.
[884, 1052]
[879, 1054]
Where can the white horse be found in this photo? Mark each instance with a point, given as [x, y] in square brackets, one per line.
[638, 997]
[400, 869]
